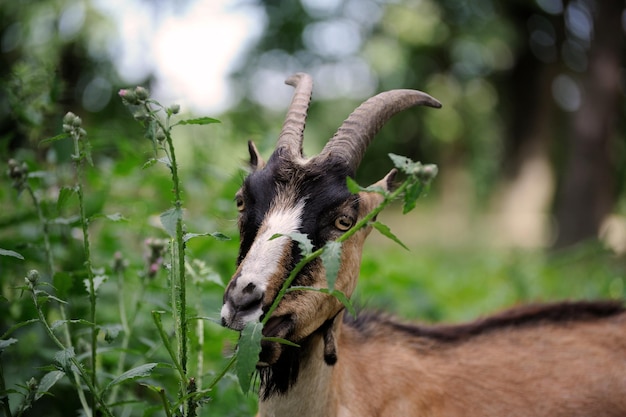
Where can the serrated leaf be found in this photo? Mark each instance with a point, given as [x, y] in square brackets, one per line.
[64, 359]
[111, 332]
[216, 235]
[54, 139]
[403, 163]
[149, 163]
[141, 371]
[331, 257]
[6, 252]
[116, 217]
[165, 161]
[48, 382]
[198, 121]
[59, 323]
[170, 219]
[305, 245]
[98, 280]
[411, 195]
[6, 343]
[386, 231]
[64, 194]
[248, 353]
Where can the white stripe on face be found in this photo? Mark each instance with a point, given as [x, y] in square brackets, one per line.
[265, 256]
[262, 262]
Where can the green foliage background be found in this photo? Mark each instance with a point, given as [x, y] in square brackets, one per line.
[474, 56]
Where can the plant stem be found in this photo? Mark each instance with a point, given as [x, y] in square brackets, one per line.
[5, 397]
[79, 159]
[50, 260]
[77, 365]
[179, 286]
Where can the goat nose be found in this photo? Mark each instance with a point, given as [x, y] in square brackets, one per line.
[242, 303]
[248, 298]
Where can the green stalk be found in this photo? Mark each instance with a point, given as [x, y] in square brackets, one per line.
[179, 286]
[79, 158]
[5, 399]
[388, 198]
[96, 397]
[50, 260]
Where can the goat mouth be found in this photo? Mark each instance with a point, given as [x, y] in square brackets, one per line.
[279, 326]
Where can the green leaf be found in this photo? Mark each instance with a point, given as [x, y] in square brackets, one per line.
[141, 371]
[6, 252]
[64, 194]
[345, 301]
[353, 186]
[386, 231]
[149, 163]
[170, 219]
[6, 343]
[412, 193]
[405, 164]
[281, 341]
[47, 382]
[331, 257]
[98, 280]
[54, 139]
[198, 121]
[216, 235]
[111, 332]
[305, 245]
[59, 323]
[248, 353]
[64, 359]
[116, 217]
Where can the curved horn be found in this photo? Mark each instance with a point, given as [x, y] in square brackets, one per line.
[357, 131]
[292, 134]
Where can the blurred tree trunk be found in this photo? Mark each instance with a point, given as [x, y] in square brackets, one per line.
[587, 189]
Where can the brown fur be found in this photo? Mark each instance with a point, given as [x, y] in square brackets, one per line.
[535, 364]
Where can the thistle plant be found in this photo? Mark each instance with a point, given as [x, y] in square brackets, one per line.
[158, 121]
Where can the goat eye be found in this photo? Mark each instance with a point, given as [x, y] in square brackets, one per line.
[343, 222]
[241, 205]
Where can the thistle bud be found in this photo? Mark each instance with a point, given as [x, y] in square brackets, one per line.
[69, 118]
[160, 135]
[141, 93]
[18, 172]
[32, 277]
[174, 108]
[128, 96]
[140, 115]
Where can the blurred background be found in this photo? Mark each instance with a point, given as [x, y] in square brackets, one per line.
[531, 130]
[530, 143]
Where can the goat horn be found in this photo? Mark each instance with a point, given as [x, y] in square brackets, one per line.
[358, 130]
[292, 134]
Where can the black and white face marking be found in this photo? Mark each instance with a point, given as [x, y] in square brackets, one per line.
[263, 262]
[276, 200]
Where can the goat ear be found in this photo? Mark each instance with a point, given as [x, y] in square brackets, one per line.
[256, 161]
[387, 182]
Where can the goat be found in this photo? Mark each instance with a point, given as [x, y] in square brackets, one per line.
[563, 359]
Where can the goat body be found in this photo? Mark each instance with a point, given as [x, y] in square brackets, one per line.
[524, 362]
[566, 359]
